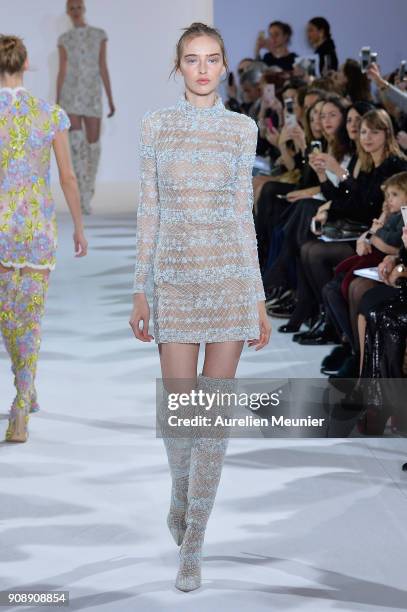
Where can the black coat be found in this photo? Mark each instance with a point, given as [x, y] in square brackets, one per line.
[364, 202]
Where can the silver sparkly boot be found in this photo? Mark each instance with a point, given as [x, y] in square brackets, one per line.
[179, 457]
[79, 154]
[207, 456]
[93, 150]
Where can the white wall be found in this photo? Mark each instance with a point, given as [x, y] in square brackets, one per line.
[142, 36]
[354, 23]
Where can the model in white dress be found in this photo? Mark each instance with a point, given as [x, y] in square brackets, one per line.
[82, 71]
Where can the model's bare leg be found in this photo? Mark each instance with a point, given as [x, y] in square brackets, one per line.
[207, 456]
[31, 290]
[178, 368]
[92, 128]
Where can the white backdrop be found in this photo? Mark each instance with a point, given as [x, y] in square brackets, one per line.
[142, 36]
[354, 23]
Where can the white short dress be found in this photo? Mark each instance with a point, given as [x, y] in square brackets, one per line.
[81, 92]
[195, 228]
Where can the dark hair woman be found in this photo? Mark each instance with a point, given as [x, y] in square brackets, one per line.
[279, 38]
[319, 37]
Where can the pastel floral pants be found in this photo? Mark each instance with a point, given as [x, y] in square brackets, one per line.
[22, 301]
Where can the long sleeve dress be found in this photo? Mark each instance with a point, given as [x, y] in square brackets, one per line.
[195, 228]
[28, 227]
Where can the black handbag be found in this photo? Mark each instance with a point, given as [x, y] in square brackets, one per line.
[343, 229]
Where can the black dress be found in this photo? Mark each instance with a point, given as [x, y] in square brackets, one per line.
[286, 62]
[328, 60]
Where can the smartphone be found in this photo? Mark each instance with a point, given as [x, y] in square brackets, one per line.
[316, 226]
[404, 214]
[290, 118]
[316, 146]
[402, 70]
[269, 93]
[373, 58]
[281, 196]
[312, 67]
[231, 79]
[364, 58]
[368, 237]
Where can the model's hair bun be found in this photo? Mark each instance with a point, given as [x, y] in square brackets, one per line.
[13, 54]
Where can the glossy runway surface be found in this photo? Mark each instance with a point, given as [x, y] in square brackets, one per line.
[311, 524]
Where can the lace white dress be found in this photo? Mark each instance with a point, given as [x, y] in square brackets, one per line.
[195, 228]
[81, 92]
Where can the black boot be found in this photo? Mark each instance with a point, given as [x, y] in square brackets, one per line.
[323, 332]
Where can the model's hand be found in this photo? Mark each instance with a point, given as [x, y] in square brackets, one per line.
[112, 110]
[81, 244]
[264, 328]
[141, 312]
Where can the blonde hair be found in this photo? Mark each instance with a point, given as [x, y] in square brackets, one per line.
[398, 180]
[379, 119]
[193, 31]
[13, 54]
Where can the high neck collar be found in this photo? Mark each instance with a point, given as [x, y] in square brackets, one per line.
[201, 111]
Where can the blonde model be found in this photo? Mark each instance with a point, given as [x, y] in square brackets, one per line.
[29, 128]
[82, 70]
[195, 231]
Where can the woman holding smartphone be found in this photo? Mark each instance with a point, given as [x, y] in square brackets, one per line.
[195, 232]
[29, 128]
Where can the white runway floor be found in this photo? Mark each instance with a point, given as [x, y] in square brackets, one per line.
[312, 525]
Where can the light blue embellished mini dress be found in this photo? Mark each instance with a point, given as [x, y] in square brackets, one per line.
[195, 229]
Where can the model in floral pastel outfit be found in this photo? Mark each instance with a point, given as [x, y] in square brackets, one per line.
[195, 231]
[29, 127]
[82, 69]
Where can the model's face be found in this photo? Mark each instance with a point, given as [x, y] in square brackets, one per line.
[395, 198]
[313, 35]
[76, 10]
[277, 37]
[331, 118]
[315, 121]
[202, 65]
[353, 124]
[372, 140]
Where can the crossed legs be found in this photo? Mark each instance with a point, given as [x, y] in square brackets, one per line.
[195, 462]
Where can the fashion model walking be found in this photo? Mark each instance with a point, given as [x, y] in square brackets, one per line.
[82, 69]
[29, 127]
[195, 231]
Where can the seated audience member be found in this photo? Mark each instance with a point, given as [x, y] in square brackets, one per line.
[361, 200]
[383, 238]
[278, 54]
[338, 151]
[234, 92]
[353, 83]
[320, 39]
[251, 89]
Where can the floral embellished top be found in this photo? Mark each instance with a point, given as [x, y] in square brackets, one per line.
[28, 231]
